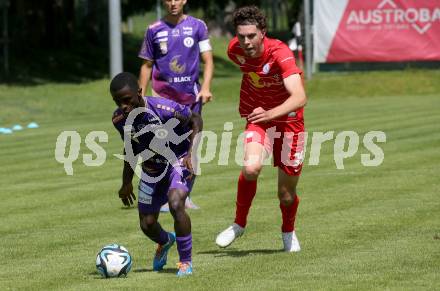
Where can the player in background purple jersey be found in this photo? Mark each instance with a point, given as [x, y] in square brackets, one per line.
[171, 52]
[175, 174]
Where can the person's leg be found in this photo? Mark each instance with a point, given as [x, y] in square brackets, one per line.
[151, 196]
[152, 229]
[182, 223]
[247, 181]
[180, 186]
[288, 157]
[254, 154]
[189, 204]
[289, 202]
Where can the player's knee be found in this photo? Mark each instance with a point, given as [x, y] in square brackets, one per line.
[251, 172]
[176, 205]
[286, 197]
[147, 223]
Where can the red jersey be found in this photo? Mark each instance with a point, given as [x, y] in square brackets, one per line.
[262, 84]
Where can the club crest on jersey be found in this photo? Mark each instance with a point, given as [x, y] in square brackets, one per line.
[266, 68]
[188, 41]
[175, 66]
[241, 59]
[163, 45]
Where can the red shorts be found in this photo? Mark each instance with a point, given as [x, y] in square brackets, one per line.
[284, 139]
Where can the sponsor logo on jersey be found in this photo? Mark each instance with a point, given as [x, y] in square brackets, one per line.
[182, 79]
[176, 66]
[144, 198]
[187, 30]
[145, 188]
[188, 41]
[175, 32]
[261, 82]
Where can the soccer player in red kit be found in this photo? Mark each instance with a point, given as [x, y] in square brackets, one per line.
[272, 98]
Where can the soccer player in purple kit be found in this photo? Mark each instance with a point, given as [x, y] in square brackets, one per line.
[173, 175]
[171, 52]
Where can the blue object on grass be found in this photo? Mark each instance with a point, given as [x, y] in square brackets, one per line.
[32, 125]
[17, 127]
[6, 131]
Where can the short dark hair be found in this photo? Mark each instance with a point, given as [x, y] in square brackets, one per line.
[122, 80]
[249, 15]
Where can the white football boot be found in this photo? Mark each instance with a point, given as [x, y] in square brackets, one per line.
[290, 241]
[226, 237]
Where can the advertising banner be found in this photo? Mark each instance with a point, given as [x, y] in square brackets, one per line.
[376, 30]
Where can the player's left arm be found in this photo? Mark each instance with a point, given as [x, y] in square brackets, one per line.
[296, 100]
[208, 62]
[208, 72]
[196, 125]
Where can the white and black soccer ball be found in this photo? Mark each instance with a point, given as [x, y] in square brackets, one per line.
[113, 260]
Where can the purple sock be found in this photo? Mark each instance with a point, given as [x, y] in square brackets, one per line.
[184, 247]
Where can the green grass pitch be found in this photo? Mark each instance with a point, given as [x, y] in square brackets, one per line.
[360, 228]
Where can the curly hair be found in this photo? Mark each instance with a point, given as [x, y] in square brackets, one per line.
[249, 15]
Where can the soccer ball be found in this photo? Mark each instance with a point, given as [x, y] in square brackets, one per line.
[113, 260]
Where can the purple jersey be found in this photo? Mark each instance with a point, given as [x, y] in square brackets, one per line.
[160, 111]
[175, 51]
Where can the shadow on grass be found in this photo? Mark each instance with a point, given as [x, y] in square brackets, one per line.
[164, 271]
[239, 253]
[133, 207]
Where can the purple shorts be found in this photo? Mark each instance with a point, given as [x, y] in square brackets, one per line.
[152, 195]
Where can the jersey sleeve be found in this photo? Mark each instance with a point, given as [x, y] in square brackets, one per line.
[286, 61]
[147, 52]
[202, 31]
[168, 109]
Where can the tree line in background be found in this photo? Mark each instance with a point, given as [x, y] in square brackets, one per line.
[68, 39]
[58, 23]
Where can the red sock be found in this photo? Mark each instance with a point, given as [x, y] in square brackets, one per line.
[289, 214]
[245, 194]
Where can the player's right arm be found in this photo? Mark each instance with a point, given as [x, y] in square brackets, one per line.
[146, 53]
[126, 192]
[145, 75]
